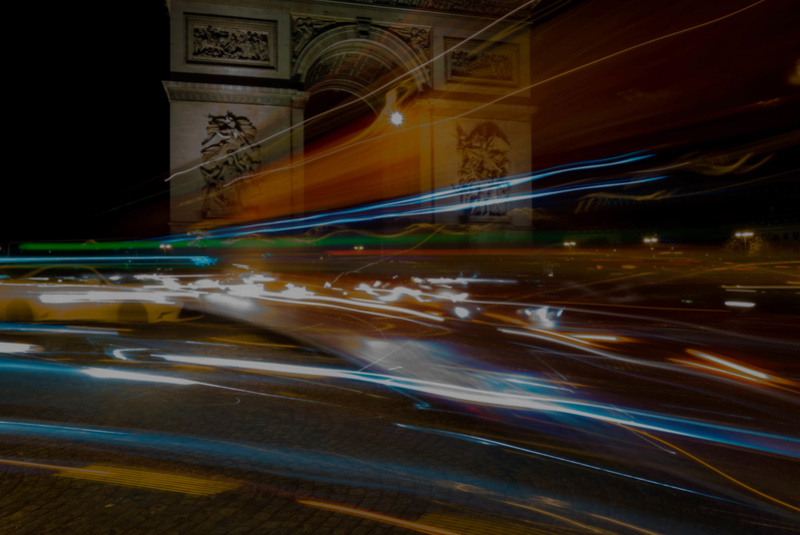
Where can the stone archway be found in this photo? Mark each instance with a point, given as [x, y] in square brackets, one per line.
[346, 69]
[350, 66]
[364, 55]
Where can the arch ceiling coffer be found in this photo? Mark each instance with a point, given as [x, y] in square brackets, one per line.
[362, 51]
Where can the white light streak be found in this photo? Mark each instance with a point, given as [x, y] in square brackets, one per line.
[10, 347]
[104, 297]
[103, 373]
[728, 364]
[597, 337]
[740, 304]
[231, 302]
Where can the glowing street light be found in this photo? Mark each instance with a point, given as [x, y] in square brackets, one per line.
[165, 247]
[397, 118]
[651, 241]
[744, 234]
[570, 244]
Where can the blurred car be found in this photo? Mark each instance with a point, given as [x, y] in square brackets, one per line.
[79, 293]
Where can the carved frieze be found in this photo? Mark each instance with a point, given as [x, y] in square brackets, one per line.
[416, 37]
[486, 8]
[482, 63]
[306, 28]
[230, 41]
[233, 94]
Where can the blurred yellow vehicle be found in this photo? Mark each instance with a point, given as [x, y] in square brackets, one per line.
[79, 293]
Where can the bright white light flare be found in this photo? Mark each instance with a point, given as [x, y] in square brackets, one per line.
[397, 118]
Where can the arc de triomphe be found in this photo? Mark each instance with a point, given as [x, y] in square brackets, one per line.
[256, 85]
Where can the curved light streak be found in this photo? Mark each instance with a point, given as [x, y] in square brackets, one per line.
[491, 395]
[348, 216]
[513, 447]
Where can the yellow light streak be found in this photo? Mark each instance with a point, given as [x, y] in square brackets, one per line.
[684, 309]
[415, 526]
[717, 470]
[258, 344]
[474, 526]
[127, 477]
[715, 369]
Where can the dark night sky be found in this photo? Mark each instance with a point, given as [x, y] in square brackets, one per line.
[94, 124]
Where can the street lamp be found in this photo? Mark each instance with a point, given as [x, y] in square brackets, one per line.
[651, 241]
[165, 247]
[570, 244]
[744, 234]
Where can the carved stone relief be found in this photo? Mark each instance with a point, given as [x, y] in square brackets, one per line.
[418, 38]
[483, 157]
[233, 42]
[306, 28]
[487, 8]
[230, 153]
[478, 62]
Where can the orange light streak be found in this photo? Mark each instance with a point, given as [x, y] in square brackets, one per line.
[415, 526]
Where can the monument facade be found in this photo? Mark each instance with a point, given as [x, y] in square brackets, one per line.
[280, 108]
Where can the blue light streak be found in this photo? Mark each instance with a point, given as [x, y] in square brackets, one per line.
[50, 329]
[490, 442]
[346, 216]
[199, 261]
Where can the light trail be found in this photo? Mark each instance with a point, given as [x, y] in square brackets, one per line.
[110, 373]
[491, 442]
[11, 347]
[385, 519]
[744, 369]
[389, 311]
[344, 217]
[58, 329]
[720, 472]
[82, 260]
[483, 186]
[492, 394]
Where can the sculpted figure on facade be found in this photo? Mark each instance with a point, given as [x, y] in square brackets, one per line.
[230, 153]
[483, 157]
